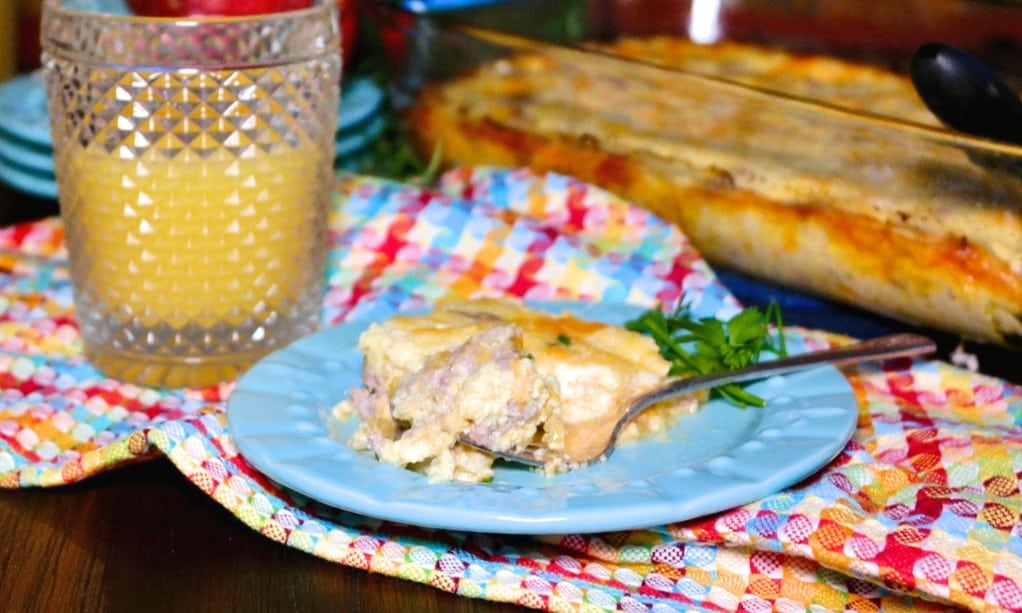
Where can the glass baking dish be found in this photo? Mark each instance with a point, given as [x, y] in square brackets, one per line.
[842, 186]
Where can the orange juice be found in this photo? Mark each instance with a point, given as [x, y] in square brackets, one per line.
[208, 252]
[193, 161]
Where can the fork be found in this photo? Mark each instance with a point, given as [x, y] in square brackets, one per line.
[876, 349]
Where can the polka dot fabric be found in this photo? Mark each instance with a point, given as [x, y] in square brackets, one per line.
[921, 511]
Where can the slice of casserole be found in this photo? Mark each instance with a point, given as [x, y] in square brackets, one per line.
[502, 375]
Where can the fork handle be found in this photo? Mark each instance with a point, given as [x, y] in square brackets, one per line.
[876, 349]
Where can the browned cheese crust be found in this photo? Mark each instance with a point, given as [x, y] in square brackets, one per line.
[916, 245]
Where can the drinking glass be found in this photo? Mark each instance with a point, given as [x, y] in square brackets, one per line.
[194, 160]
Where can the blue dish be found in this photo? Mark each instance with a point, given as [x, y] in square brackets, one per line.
[23, 113]
[35, 184]
[27, 156]
[361, 99]
[353, 161]
[348, 143]
[280, 417]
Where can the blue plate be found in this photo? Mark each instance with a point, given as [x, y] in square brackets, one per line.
[348, 143]
[36, 184]
[23, 109]
[353, 161]
[360, 100]
[280, 417]
[23, 115]
[24, 155]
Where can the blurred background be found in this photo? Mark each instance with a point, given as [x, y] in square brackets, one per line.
[19, 36]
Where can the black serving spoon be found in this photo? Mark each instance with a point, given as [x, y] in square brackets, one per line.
[966, 94]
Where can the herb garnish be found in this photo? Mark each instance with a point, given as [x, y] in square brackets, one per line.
[564, 339]
[393, 154]
[706, 345]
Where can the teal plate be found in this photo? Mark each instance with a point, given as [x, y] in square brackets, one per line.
[349, 143]
[26, 180]
[23, 113]
[23, 155]
[721, 457]
[361, 99]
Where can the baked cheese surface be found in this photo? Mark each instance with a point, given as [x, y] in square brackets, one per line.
[806, 194]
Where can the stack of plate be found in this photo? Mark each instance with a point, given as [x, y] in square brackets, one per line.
[26, 149]
[360, 122]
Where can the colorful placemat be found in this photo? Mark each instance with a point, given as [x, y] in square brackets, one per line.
[920, 511]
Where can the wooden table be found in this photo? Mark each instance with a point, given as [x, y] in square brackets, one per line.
[144, 536]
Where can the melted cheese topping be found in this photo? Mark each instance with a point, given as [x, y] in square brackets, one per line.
[790, 152]
[736, 167]
[504, 375]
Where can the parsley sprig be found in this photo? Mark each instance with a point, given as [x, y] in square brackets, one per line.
[707, 345]
[393, 154]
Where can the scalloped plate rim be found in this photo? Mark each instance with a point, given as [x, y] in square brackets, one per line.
[810, 417]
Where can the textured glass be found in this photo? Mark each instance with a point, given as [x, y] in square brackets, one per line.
[194, 164]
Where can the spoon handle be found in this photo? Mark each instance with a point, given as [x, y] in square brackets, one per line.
[880, 348]
[966, 94]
